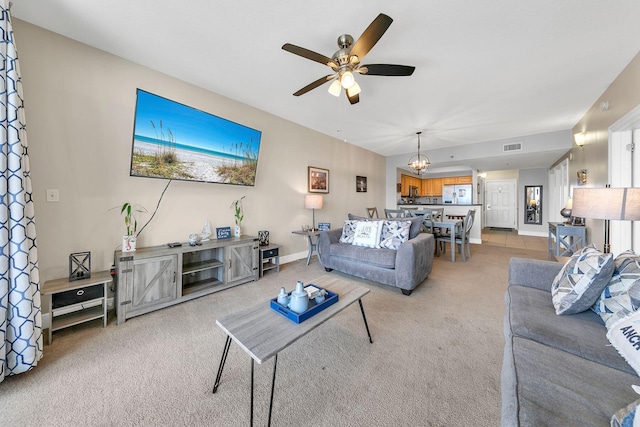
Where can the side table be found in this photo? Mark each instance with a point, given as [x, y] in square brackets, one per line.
[568, 239]
[312, 240]
[269, 258]
[72, 303]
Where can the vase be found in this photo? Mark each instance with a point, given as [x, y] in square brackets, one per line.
[128, 243]
[237, 231]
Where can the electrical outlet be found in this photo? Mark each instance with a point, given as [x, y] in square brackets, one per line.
[53, 195]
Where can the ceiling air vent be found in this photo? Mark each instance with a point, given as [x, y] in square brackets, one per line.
[517, 146]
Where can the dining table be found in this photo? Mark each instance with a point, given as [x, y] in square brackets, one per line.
[454, 225]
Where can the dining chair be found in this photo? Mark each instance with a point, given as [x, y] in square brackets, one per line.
[371, 212]
[395, 213]
[461, 237]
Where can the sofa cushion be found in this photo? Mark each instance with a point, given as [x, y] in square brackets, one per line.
[367, 234]
[581, 281]
[414, 230]
[394, 233]
[531, 315]
[348, 231]
[622, 295]
[385, 258]
[556, 388]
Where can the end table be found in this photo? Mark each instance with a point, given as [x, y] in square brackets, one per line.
[313, 244]
[269, 258]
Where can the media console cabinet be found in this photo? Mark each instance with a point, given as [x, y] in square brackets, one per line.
[152, 278]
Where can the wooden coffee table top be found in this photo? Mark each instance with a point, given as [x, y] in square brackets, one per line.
[262, 332]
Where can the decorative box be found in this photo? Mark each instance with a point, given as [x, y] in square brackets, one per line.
[314, 308]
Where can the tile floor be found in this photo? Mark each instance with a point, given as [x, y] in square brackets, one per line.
[511, 239]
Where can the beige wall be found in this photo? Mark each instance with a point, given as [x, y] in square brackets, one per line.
[623, 96]
[80, 102]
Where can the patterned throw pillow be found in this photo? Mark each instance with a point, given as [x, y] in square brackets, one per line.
[622, 294]
[368, 234]
[394, 233]
[582, 279]
[627, 416]
[348, 231]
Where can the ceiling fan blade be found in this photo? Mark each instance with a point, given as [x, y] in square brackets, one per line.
[310, 86]
[388, 70]
[354, 99]
[371, 35]
[306, 53]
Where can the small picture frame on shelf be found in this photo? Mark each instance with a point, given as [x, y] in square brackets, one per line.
[361, 184]
[79, 266]
[223, 233]
[324, 226]
[318, 180]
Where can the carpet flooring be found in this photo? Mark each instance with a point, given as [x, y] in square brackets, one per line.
[435, 359]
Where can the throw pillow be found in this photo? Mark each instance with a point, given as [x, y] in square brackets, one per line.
[622, 295]
[624, 335]
[348, 231]
[414, 230]
[628, 416]
[394, 233]
[581, 280]
[368, 234]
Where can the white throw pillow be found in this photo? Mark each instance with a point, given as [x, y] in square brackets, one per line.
[624, 335]
[368, 234]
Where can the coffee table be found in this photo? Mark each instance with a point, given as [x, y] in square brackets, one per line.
[263, 333]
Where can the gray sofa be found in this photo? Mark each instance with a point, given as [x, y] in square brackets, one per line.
[405, 268]
[557, 370]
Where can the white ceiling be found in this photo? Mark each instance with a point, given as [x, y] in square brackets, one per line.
[485, 70]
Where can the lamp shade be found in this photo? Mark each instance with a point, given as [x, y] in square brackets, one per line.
[313, 201]
[607, 203]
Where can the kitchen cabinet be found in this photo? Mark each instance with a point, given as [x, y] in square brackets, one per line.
[149, 279]
[453, 180]
[436, 187]
[407, 181]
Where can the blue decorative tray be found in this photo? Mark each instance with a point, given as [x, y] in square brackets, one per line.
[314, 308]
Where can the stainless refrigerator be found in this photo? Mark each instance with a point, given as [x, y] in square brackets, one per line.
[457, 194]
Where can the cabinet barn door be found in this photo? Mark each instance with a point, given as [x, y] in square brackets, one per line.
[154, 282]
[242, 262]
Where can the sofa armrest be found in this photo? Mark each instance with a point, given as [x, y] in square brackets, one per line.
[414, 261]
[325, 240]
[533, 273]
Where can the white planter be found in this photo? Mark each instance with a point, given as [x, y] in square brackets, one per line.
[128, 243]
[237, 231]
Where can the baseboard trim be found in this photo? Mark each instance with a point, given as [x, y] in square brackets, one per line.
[533, 233]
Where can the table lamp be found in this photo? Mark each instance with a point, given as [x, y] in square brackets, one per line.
[313, 201]
[607, 204]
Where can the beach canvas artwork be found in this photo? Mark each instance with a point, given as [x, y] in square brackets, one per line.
[175, 141]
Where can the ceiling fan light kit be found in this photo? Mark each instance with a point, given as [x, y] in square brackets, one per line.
[346, 61]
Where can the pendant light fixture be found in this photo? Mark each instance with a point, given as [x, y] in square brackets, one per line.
[420, 162]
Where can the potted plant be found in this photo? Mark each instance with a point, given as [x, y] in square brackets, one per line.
[239, 215]
[130, 221]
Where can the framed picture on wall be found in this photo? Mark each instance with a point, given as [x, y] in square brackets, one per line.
[318, 180]
[361, 184]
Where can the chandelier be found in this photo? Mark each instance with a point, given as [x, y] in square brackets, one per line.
[420, 162]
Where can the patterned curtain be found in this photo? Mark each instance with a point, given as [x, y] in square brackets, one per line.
[20, 317]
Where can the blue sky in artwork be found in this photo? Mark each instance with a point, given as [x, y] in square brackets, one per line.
[190, 126]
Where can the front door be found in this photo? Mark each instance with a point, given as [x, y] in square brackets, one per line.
[500, 199]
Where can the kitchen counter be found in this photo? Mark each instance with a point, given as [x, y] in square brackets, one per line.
[450, 209]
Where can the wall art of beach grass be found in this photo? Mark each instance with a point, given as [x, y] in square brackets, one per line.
[175, 141]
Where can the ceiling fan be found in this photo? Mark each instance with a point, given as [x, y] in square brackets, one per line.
[347, 61]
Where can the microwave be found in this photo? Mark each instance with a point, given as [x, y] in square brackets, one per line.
[413, 191]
